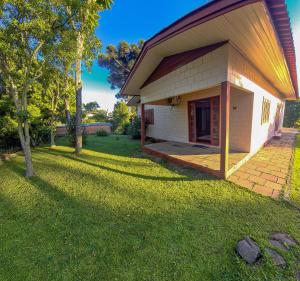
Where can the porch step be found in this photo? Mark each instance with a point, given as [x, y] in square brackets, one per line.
[277, 135]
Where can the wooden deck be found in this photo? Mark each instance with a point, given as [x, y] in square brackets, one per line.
[200, 157]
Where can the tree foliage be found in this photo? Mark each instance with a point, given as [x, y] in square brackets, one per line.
[292, 114]
[91, 106]
[42, 45]
[121, 117]
[119, 61]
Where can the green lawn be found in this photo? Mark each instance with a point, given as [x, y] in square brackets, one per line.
[295, 186]
[111, 214]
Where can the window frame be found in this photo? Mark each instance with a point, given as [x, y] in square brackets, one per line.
[149, 116]
[265, 114]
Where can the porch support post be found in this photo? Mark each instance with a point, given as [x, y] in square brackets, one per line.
[224, 138]
[142, 124]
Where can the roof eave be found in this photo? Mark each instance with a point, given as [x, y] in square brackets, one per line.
[278, 13]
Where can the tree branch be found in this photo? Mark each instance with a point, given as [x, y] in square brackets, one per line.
[125, 68]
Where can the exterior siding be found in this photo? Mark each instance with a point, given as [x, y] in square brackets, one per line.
[202, 73]
[263, 132]
[240, 123]
[171, 123]
[224, 64]
[244, 75]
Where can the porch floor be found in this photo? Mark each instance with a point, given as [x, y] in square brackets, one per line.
[202, 157]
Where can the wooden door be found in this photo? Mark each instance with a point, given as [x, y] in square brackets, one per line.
[277, 117]
[215, 120]
[192, 121]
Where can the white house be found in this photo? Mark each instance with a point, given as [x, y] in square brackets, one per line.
[218, 78]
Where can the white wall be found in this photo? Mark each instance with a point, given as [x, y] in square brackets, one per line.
[171, 123]
[262, 132]
[240, 128]
[243, 74]
[202, 73]
[224, 64]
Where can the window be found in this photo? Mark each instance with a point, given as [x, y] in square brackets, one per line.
[265, 111]
[149, 116]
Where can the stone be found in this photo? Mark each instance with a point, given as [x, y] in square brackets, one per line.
[278, 245]
[284, 238]
[298, 275]
[248, 250]
[278, 260]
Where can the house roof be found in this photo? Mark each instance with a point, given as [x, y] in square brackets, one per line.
[134, 101]
[275, 12]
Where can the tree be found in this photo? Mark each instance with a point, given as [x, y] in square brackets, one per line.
[52, 85]
[119, 61]
[27, 36]
[292, 114]
[8, 126]
[84, 24]
[91, 106]
[121, 117]
[98, 116]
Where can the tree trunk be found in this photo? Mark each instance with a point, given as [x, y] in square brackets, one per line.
[25, 143]
[28, 160]
[24, 134]
[78, 144]
[52, 133]
[65, 90]
[78, 87]
[27, 151]
[67, 111]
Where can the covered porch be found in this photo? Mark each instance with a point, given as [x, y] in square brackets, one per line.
[209, 130]
[203, 158]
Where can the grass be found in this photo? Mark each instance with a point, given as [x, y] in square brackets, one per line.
[111, 214]
[295, 184]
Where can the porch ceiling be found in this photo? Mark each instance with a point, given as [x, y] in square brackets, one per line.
[249, 28]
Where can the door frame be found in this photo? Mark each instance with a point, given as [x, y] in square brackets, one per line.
[194, 127]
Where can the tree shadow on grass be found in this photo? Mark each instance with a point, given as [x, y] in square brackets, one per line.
[113, 144]
[66, 237]
[187, 174]
[47, 150]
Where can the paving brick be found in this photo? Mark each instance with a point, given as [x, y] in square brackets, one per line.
[257, 180]
[269, 177]
[263, 190]
[281, 181]
[273, 185]
[276, 193]
[280, 175]
[273, 168]
[234, 179]
[263, 170]
[254, 172]
[242, 175]
[245, 183]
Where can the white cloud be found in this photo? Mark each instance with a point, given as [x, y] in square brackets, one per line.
[105, 97]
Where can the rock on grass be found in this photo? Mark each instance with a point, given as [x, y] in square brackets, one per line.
[248, 250]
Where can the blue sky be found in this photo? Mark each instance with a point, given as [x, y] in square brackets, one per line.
[132, 20]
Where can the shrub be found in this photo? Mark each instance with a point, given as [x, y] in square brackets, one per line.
[135, 128]
[101, 133]
[8, 133]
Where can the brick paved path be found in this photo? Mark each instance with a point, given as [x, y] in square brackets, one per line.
[267, 172]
